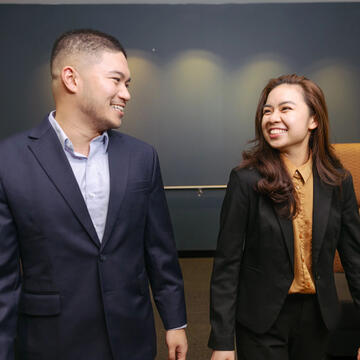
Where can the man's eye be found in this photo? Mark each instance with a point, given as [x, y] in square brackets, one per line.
[127, 85]
[116, 79]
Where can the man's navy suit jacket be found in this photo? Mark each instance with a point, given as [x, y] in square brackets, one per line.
[63, 294]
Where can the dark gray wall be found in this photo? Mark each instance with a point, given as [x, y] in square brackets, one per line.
[197, 73]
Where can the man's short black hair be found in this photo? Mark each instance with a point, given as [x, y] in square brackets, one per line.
[84, 41]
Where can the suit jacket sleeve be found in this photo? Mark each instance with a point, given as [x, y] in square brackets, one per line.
[9, 280]
[349, 243]
[225, 275]
[161, 256]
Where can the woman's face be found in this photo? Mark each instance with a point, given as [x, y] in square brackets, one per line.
[287, 122]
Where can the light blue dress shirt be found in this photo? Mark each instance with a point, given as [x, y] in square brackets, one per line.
[91, 173]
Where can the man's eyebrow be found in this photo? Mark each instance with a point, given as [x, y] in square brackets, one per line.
[120, 74]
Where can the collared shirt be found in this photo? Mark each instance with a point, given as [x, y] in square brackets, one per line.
[91, 173]
[302, 178]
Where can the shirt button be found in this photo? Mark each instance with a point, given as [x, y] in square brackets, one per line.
[102, 257]
[92, 195]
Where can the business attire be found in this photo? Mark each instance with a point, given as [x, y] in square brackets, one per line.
[272, 287]
[75, 273]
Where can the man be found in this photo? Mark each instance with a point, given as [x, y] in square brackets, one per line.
[83, 210]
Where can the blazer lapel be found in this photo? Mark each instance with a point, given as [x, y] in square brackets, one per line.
[321, 206]
[288, 236]
[51, 157]
[119, 158]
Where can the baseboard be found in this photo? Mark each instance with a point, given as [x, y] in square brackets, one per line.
[196, 253]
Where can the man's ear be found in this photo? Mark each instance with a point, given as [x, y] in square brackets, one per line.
[70, 78]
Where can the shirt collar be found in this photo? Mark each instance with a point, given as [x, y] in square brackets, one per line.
[66, 142]
[304, 170]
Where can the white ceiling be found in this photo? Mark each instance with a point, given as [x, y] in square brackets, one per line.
[164, 1]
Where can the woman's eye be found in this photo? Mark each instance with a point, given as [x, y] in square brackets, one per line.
[116, 79]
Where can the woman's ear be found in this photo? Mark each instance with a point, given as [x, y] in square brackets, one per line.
[313, 124]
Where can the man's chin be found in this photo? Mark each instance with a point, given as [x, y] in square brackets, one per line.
[117, 124]
[113, 124]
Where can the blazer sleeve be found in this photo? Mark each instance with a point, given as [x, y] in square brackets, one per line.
[161, 256]
[9, 279]
[349, 243]
[225, 275]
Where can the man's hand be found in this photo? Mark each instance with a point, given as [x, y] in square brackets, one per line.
[177, 344]
[358, 355]
[223, 355]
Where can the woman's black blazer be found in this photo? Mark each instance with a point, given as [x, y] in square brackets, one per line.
[254, 262]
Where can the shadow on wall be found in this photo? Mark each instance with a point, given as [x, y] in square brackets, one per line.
[39, 83]
[339, 83]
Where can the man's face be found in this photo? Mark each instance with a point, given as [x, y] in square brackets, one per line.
[104, 91]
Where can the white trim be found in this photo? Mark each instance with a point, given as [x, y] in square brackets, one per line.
[169, 2]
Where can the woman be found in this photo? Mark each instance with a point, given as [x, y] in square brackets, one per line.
[288, 207]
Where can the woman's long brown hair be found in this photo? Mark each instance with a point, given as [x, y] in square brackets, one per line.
[276, 182]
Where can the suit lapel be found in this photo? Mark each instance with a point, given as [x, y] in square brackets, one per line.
[51, 157]
[321, 206]
[119, 158]
[288, 236]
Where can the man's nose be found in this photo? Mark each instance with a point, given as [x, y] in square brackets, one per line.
[124, 93]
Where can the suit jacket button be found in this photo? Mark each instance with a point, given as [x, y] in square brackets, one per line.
[102, 257]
